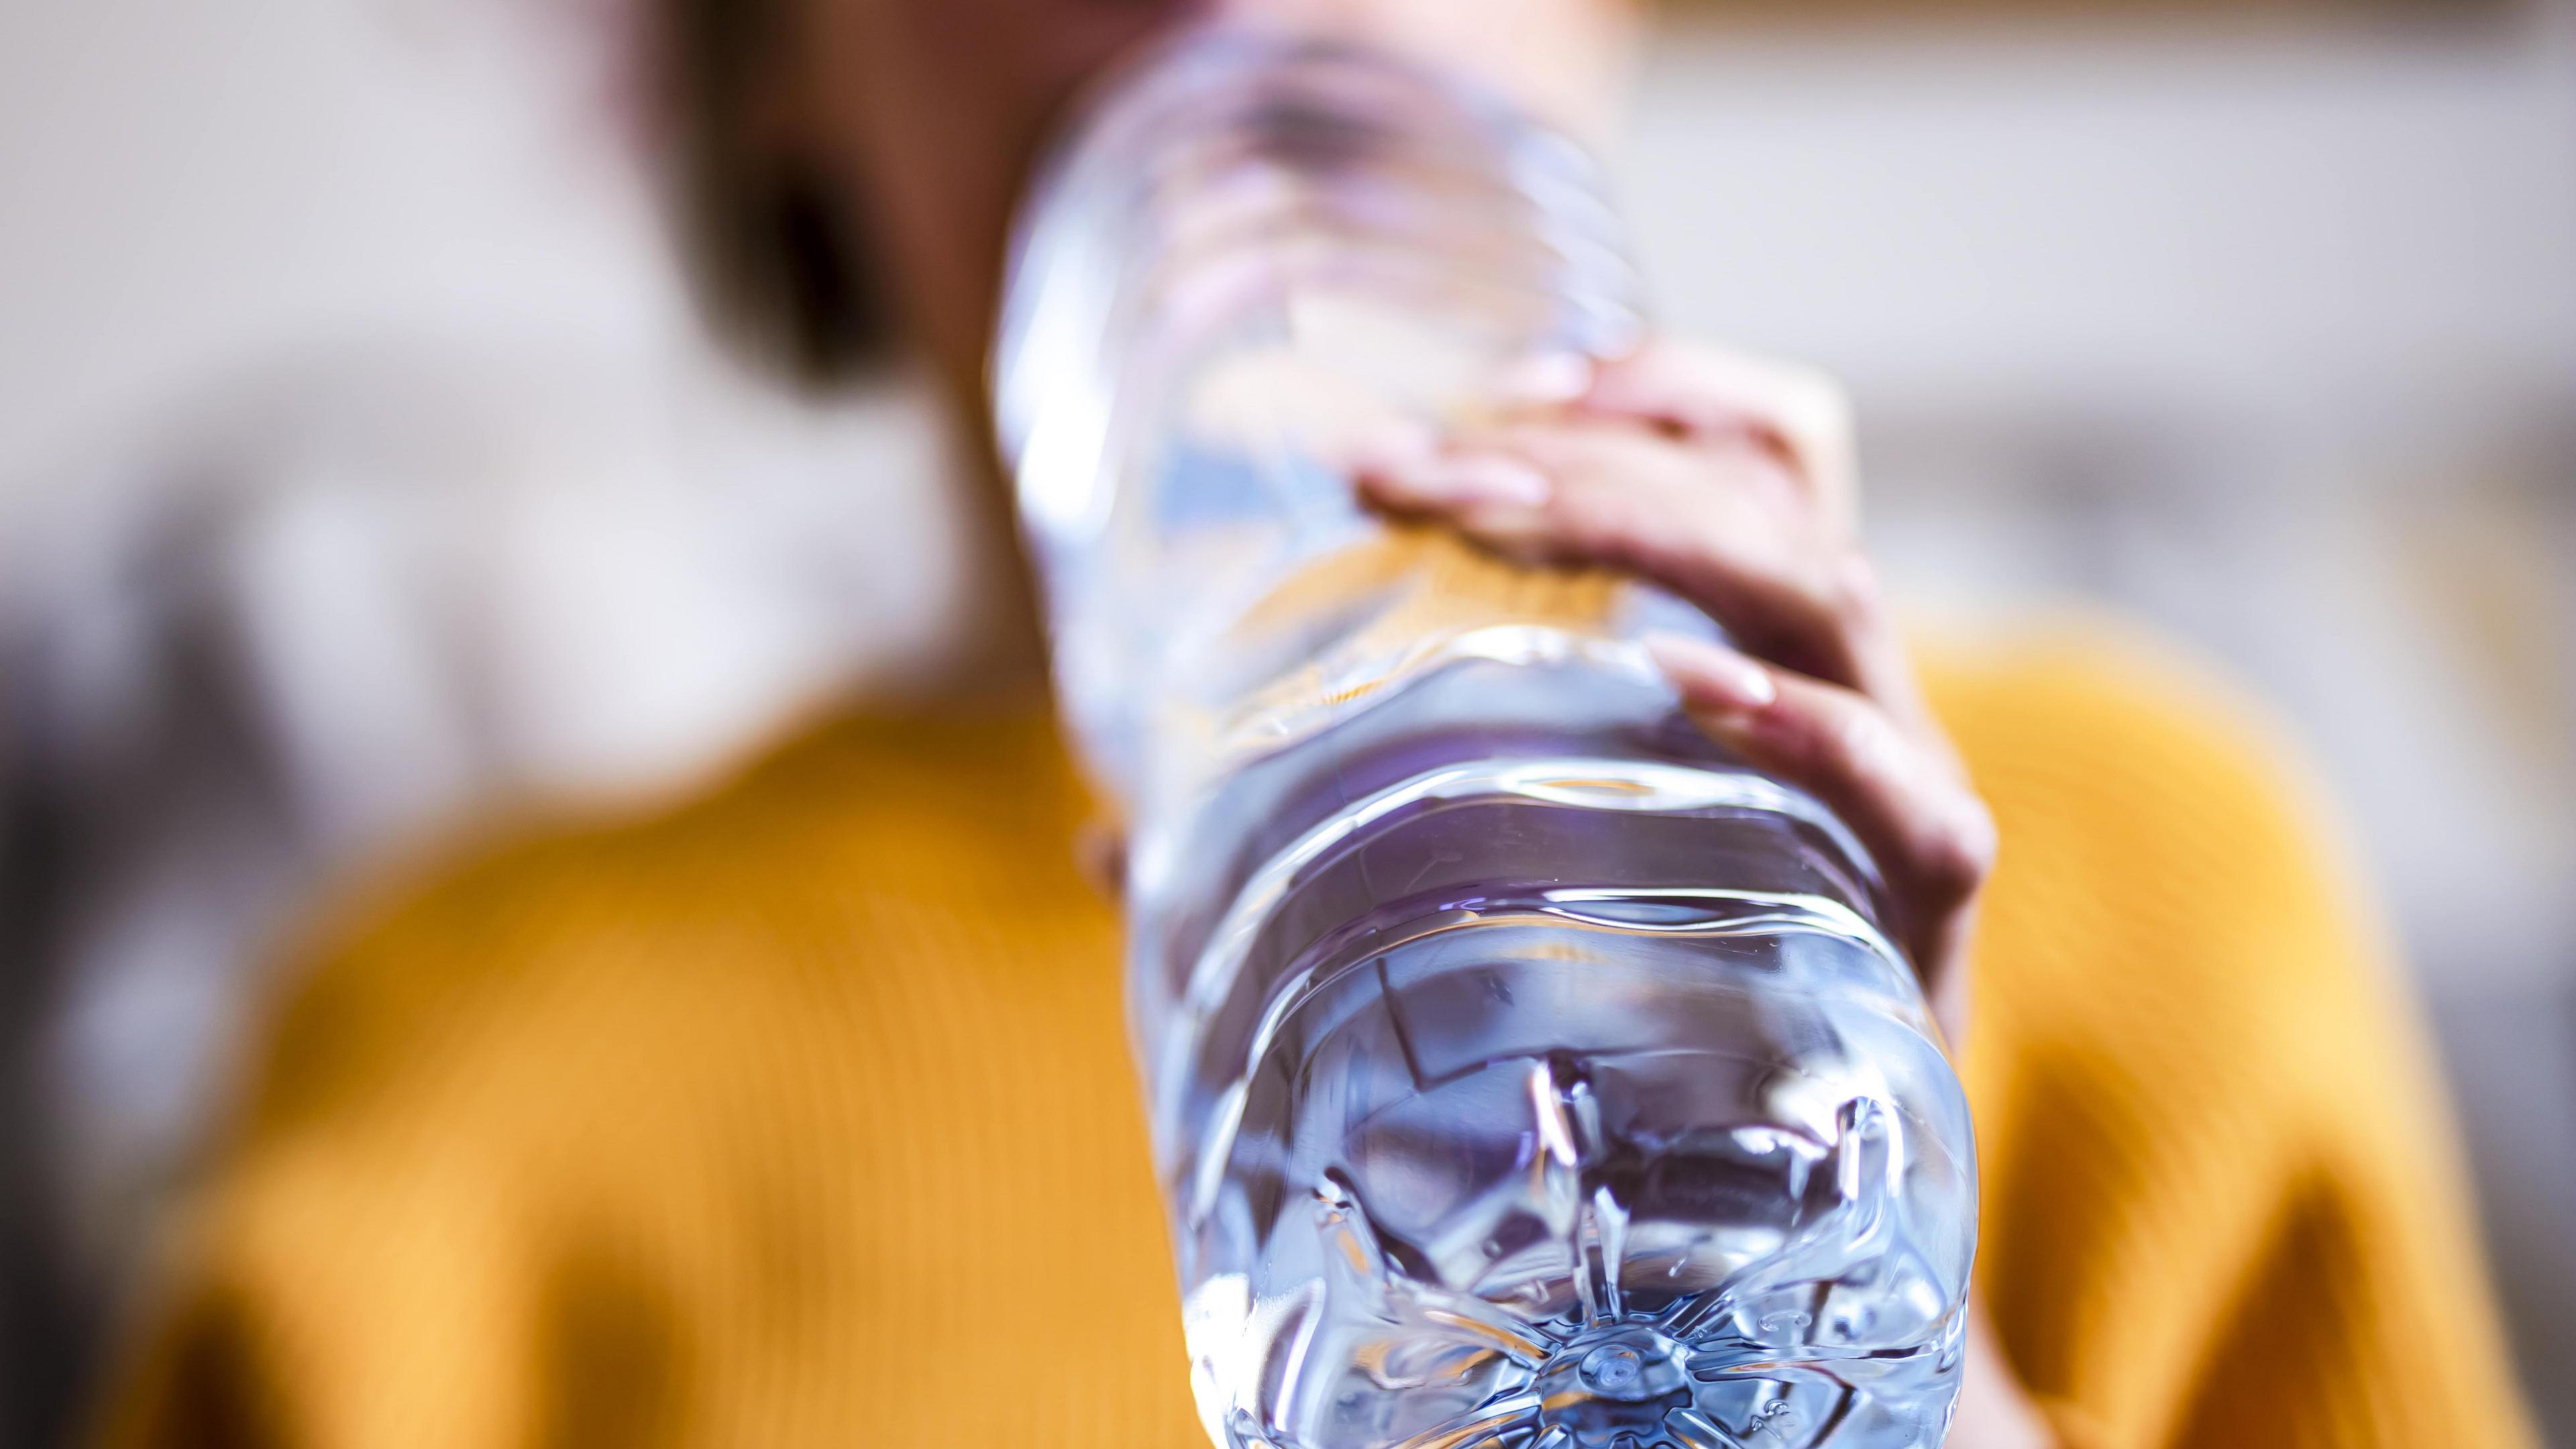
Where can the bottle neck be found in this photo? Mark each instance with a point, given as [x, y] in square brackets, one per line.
[1252, 254]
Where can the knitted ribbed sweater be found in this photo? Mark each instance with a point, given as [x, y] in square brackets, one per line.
[802, 1115]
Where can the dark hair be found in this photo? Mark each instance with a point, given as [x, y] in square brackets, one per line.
[780, 263]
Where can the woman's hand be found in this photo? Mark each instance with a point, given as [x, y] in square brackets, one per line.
[1729, 481]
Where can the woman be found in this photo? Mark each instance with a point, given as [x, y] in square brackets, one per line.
[800, 1113]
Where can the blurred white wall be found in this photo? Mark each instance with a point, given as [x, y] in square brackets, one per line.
[196, 190]
[2311, 226]
[406, 247]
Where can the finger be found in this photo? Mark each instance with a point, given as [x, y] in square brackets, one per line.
[1697, 391]
[1720, 526]
[1929, 834]
[1922, 824]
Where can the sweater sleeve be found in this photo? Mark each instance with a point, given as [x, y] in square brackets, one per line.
[632, 1137]
[423, 1234]
[2222, 1197]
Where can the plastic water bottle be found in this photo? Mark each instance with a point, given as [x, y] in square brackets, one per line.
[1523, 1070]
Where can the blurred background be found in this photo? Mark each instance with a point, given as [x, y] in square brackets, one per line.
[365, 474]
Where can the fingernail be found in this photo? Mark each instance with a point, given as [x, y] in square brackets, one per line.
[1711, 676]
[1464, 479]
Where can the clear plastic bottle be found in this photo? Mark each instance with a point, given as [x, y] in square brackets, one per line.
[1523, 1070]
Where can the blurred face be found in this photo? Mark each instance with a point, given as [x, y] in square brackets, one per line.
[928, 113]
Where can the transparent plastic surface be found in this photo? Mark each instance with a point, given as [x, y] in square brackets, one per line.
[1523, 1071]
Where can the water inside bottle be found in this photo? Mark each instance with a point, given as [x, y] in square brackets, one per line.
[1498, 1159]
[1523, 1071]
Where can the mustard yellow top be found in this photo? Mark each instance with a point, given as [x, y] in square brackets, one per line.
[802, 1115]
